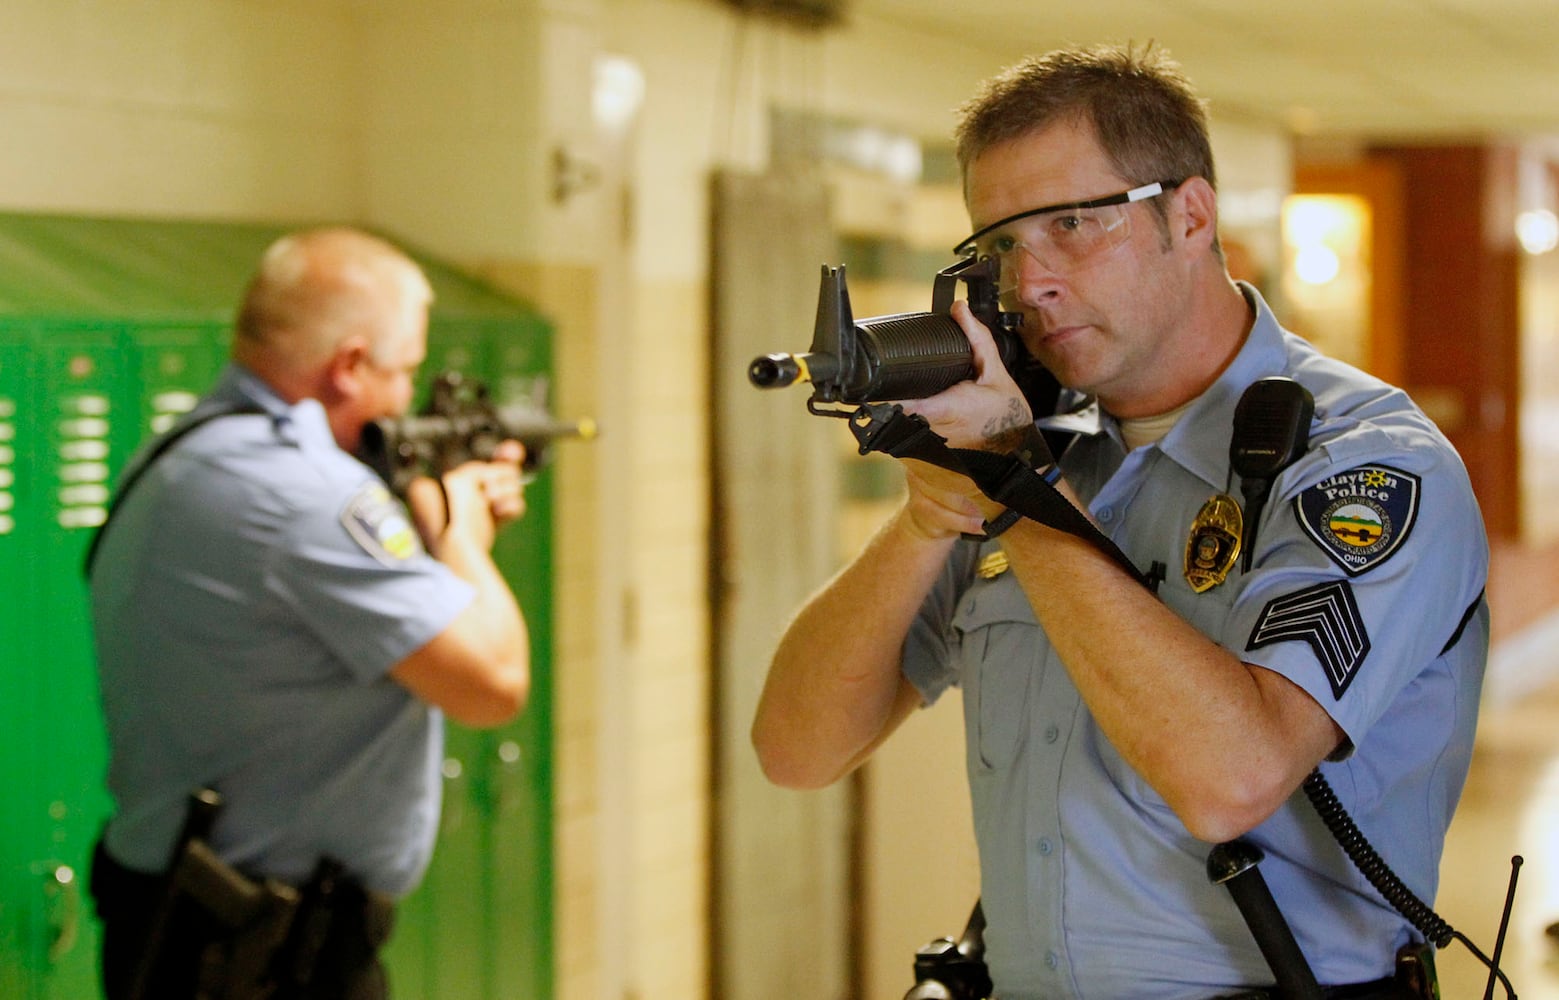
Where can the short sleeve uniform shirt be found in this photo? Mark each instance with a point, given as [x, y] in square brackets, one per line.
[250, 595]
[1365, 590]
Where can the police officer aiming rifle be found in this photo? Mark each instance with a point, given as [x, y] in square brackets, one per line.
[275, 626]
[1133, 702]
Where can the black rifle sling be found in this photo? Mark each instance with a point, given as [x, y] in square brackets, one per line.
[885, 427]
[158, 449]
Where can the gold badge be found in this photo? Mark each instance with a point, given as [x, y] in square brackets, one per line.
[1214, 544]
[993, 565]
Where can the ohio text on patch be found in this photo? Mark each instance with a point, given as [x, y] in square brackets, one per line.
[1362, 516]
[380, 525]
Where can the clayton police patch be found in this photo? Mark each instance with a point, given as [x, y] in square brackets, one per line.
[380, 524]
[1362, 516]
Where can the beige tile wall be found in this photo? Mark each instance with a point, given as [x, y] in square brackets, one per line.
[669, 506]
[653, 906]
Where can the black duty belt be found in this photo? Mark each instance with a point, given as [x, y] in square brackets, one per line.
[325, 932]
[1379, 989]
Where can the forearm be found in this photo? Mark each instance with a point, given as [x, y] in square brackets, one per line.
[1224, 742]
[494, 625]
[834, 689]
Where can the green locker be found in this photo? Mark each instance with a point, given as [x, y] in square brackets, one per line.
[488, 892]
[79, 405]
[22, 896]
[109, 328]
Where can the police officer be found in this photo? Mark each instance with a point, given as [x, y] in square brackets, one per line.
[272, 624]
[1114, 733]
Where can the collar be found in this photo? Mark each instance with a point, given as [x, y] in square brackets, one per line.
[295, 423]
[1200, 441]
[1188, 442]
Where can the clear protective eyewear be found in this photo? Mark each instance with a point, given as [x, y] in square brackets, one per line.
[1060, 238]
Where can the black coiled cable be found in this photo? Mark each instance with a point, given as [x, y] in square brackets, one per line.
[1374, 868]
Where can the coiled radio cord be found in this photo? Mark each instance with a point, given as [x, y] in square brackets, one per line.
[1374, 868]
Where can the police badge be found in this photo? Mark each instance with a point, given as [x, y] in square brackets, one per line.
[1214, 543]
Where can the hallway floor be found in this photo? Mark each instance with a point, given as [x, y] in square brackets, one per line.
[1510, 807]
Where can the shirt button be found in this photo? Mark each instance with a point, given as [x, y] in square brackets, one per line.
[1052, 960]
[1052, 733]
[1106, 514]
[1044, 846]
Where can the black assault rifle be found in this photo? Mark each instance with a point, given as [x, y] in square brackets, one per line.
[460, 423]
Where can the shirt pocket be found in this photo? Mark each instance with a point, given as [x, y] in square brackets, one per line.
[1001, 649]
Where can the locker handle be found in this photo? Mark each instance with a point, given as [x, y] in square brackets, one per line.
[509, 779]
[453, 815]
[62, 905]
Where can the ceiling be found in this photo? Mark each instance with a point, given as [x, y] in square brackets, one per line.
[1380, 69]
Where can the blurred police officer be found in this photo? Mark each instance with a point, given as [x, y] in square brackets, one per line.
[272, 624]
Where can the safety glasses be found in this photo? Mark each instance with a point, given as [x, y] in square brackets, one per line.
[1060, 238]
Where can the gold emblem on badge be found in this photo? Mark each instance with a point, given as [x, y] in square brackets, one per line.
[1214, 543]
[993, 565]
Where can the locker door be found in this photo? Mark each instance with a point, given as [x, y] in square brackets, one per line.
[480, 926]
[440, 940]
[22, 827]
[519, 758]
[174, 367]
[79, 380]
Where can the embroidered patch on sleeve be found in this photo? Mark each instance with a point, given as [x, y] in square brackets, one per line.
[379, 523]
[1325, 616]
[1361, 517]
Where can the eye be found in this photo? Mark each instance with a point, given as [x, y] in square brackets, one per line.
[1066, 225]
[1002, 244]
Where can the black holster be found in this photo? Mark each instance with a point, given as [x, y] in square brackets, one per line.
[206, 931]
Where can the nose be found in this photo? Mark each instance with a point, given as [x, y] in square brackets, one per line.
[1031, 281]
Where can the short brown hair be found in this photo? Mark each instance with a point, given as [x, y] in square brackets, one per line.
[1144, 111]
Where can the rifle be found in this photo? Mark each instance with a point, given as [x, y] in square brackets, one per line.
[461, 423]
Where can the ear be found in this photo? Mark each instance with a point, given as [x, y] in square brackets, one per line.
[347, 365]
[1199, 213]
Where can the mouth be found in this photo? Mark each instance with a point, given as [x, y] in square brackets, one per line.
[1051, 335]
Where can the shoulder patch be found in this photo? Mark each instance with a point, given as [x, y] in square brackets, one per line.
[1325, 616]
[1361, 517]
[379, 523]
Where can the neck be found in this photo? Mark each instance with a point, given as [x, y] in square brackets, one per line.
[288, 381]
[1218, 318]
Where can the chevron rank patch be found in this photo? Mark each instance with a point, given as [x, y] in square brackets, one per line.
[379, 523]
[1362, 516]
[1326, 617]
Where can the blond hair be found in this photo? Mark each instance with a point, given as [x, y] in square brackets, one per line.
[315, 288]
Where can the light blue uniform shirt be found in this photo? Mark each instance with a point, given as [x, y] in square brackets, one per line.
[250, 596]
[1369, 554]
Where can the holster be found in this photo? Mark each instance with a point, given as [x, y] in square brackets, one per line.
[206, 931]
[247, 922]
[257, 917]
[1416, 970]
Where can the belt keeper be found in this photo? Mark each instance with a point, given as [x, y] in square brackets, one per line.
[1002, 522]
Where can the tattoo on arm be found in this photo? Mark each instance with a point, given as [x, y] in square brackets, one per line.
[1014, 434]
[1009, 431]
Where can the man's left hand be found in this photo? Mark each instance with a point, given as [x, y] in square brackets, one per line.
[988, 412]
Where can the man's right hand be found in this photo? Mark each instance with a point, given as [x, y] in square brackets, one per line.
[477, 499]
[941, 504]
